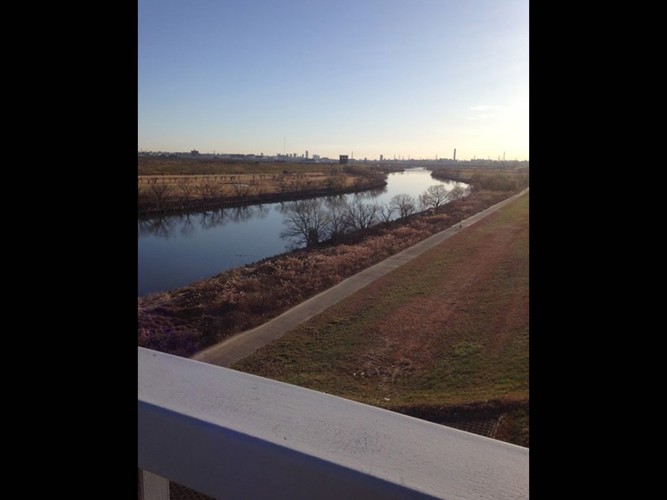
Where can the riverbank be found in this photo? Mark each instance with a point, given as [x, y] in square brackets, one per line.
[185, 185]
[180, 205]
[188, 319]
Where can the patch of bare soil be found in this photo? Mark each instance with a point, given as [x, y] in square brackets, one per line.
[414, 333]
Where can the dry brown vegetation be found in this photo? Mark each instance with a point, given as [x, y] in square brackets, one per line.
[186, 320]
[183, 184]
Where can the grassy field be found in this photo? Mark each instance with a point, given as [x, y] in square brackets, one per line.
[445, 332]
[179, 183]
[155, 166]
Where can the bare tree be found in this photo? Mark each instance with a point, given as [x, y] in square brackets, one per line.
[434, 197]
[159, 193]
[457, 193]
[241, 190]
[361, 215]
[214, 189]
[404, 204]
[306, 222]
[202, 190]
[186, 187]
[385, 212]
[337, 207]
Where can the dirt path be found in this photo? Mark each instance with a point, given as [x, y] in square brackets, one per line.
[243, 344]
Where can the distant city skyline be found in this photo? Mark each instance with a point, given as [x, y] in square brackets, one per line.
[406, 79]
[309, 156]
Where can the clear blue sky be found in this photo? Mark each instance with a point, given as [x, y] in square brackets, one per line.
[401, 78]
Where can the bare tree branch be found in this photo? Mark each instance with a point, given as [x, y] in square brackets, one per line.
[306, 222]
[404, 203]
[434, 197]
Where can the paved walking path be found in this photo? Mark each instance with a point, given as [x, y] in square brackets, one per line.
[237, 347]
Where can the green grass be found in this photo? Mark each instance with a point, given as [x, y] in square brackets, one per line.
[475, 346]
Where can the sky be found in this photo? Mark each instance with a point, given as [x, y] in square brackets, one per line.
[399, 78]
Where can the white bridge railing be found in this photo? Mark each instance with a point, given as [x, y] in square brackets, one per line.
[233, 435]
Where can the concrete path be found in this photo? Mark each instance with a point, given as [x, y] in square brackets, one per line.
[237, 347]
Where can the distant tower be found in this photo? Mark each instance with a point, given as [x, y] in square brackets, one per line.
[455, 153]
[381, 157]
[306, 154]
[503, 155]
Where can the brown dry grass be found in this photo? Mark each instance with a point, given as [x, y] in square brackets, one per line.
[226, 183]
[188, 319]
[182, 184]
[448, 329]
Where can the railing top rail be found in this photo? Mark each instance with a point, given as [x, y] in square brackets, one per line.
[232, 434]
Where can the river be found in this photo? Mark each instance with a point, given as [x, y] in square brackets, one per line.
[176, 250]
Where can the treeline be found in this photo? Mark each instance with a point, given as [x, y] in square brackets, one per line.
[499, 182]
[309, 222]
[484, 180]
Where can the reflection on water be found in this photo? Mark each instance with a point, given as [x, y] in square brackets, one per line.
[176, 250]
[164, 226]
[368, 195]
[157, 226]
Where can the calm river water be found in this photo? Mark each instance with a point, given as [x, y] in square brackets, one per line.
[179, 249]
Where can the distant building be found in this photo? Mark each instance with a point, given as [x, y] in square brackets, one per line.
[342, 159]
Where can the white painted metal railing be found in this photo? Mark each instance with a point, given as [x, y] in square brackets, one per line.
[233, 435]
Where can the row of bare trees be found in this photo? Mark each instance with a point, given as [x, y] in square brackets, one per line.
[309, 222]
[211, 188]
[186, 191]
[162, 179]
